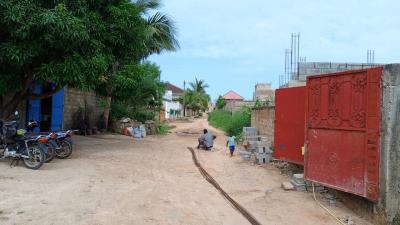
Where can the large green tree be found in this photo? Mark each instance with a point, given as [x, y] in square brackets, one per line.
[82, 43]
[42, 41]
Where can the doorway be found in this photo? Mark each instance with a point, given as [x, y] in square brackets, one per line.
[48, 111]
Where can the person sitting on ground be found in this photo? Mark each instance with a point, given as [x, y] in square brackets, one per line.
[206, 141]
[231, 143]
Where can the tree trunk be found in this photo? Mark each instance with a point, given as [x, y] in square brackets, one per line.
[12, 105]
[106, 112]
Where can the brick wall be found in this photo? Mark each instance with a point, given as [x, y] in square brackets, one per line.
[263, 120]
[74, 100]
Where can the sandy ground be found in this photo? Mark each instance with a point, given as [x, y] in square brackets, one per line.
[118, 180]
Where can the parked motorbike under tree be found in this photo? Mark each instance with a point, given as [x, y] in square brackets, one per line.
[59, 145]
[15, 145]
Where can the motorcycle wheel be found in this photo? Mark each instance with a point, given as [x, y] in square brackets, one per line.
[36, 158]
[64, 149]
[50, 153]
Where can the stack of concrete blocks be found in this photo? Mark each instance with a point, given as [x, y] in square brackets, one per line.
[264, 152]
[250, 138]
[298, 182]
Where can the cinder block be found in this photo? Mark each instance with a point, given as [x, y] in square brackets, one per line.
[298, 186]
[298, 176]
[264, 158]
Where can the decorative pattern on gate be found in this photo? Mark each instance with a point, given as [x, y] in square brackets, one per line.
[340, 91]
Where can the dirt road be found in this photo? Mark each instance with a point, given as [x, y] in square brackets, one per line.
[117, 180]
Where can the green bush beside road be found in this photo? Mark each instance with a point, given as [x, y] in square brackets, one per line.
[230, 121]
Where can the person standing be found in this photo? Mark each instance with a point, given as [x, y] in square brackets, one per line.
[231, 143]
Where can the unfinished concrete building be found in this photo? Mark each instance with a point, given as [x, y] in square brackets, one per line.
[263, 92]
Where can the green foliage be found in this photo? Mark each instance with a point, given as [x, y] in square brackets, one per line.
[396, 220]
[196, 97]
[139, 85]
[120, 110]
[164, 128]
[231, 122]
[138, 92]
[220, 104]
[199, 86]
[257, 104]
[262, 104]
[96, 45]
[130, 38]
[45, 41]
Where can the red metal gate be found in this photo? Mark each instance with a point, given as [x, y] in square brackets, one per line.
[290, 110]
[343, 131]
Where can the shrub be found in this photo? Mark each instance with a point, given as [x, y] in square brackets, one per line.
[231, 122]
[119, 110]
[220, 104]
[164, 128]
[396, 220]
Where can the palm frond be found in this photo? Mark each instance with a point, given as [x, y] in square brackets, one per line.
[146, 5]
[160, 34]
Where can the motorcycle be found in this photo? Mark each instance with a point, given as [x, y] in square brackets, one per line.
[59, 142]
[15, 145]
[48, 146]
[64, 144]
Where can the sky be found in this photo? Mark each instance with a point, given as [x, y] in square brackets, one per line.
[234, 44]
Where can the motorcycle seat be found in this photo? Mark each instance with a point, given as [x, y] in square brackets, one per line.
[9, 123]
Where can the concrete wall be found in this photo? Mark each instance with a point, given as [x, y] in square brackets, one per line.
[264, 92]
[264, 120]
[315, 68]
[74, 100]
[296, 83]
[390, 141]
[234, 105]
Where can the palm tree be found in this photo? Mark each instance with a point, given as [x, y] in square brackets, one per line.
[199, 86]
[160, 31]
[159, 35]
[196, 97]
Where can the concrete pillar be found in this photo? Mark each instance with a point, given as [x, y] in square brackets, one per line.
[390, 141]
